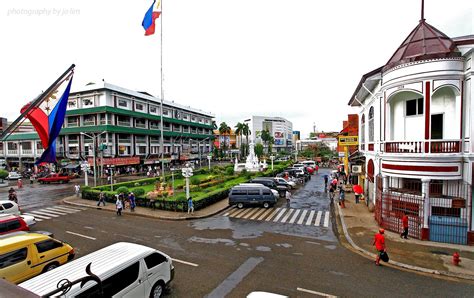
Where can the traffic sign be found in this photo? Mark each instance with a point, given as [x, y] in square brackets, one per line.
[348, 140]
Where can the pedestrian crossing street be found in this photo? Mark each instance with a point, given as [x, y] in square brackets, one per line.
[304, 217]
[52, 212]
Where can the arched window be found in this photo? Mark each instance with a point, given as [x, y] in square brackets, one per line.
[371, 124]
[362, 129]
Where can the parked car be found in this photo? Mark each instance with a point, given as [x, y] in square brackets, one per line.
[13, 176]
[54, 178]
[281, 184]
[309, 163]
[12, 223]
[10, 207]
[139, 271]
[271, 184]
[27, 255]
[241, 196]
[282, 181]
[275, 192]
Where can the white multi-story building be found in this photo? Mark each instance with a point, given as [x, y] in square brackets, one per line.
[416, 135]
[129, 126]
[279, 128]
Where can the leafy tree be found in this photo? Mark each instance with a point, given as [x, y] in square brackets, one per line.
[246, 131]
[259, 150]
[266, 136]
[224, 130]
[271, 141]
[238, 131]
[3, 174]
[214, 125]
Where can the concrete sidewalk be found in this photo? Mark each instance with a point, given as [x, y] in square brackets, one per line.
[148, 212]
[358, 225]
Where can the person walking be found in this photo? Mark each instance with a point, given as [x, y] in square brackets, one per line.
[101, 198]
[12, 195]
[77, 189]
[288, 198]
[405, 226]
[379, 242]
[119, 206]
[331, 192]
[131, 199]
[19, 183]
[326, 180]
[190, 205]
[342, 197]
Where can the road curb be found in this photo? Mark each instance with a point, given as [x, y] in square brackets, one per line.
[65, 201]
[394, 264]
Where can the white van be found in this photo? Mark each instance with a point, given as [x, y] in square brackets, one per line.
[125, 269]
[309, 163]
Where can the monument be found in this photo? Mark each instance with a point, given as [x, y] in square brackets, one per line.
[251, 164]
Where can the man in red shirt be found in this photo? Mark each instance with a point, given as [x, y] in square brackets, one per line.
[379, 242]
[405, 226]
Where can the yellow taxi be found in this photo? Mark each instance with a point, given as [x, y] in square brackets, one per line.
[25, 255]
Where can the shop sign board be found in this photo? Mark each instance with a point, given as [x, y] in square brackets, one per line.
[348, 140]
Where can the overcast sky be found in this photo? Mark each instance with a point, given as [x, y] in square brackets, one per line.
[299, 59]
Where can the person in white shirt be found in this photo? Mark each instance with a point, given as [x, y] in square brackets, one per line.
[119, 206]
[77, 189]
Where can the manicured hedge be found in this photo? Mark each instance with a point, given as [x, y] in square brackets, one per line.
[209, 194]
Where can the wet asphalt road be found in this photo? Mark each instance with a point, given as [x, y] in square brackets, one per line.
[225, 256]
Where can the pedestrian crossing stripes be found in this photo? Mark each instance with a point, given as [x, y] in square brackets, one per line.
[51, 212]
[282, 215]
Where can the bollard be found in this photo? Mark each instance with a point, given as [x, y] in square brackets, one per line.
[456, 259]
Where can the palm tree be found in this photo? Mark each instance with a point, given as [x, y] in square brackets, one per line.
[265, 137]
[224, 129]
[238, 131]
[246, 131]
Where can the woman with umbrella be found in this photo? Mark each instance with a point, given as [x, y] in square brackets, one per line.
[357, 192]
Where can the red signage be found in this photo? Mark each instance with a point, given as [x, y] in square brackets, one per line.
[119, 161]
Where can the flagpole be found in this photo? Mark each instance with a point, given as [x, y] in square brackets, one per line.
[161, 95]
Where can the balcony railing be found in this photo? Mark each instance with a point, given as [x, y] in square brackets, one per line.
[105, 122]
[1, 152]
[428, 146]
[72, 124]
[140, 125]
[12, 152]
[89, 123]
[123, 123]
[40, 151]
[27, 152]
[152, 126]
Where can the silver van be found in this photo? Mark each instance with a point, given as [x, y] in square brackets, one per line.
[242, 195]
[125, 270]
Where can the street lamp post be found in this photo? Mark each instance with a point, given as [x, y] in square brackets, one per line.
[187, 173]
[199, 151]
[272, 157]
[209, 161]
[94, 149]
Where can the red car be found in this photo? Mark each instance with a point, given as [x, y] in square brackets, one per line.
[51, 178]
[310, 170]
[12, 223]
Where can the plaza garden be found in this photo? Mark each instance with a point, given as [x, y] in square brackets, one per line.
[206, 187]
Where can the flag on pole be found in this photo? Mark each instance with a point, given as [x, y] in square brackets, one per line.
[148, 22]
[48, 127]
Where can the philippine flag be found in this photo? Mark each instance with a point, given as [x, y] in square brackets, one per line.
[148, 22]
[49, 126]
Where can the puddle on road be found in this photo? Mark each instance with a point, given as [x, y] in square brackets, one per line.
[338, 273]
[285, 245]
[226, 242]
[331, 247]
[263, 248]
